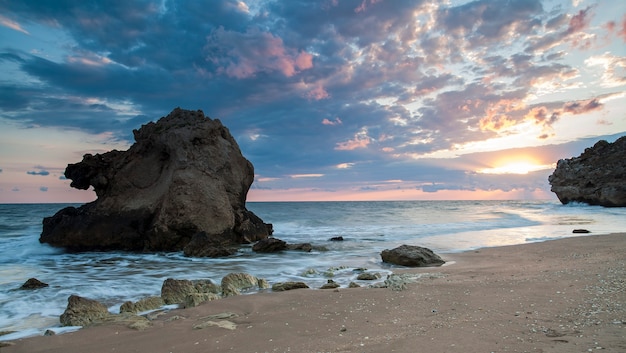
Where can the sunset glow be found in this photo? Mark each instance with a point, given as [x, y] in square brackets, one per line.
[515, 168]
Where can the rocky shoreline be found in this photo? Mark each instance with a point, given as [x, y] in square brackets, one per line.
[184, 293]
[559, 296]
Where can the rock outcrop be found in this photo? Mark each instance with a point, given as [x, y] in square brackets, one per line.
[82, 311]
[184, 177]
[596, 177]
[411, 256]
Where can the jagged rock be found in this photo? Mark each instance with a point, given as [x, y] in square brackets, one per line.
[185, 174]
[596, 177]
[83, 312]
[145, 304]
[174, 291]
[234, 283]
[411, 256]
[354, 285]
[33, 283]
[283, 286]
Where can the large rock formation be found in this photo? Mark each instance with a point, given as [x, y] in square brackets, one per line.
[185, 175]
[596, 177]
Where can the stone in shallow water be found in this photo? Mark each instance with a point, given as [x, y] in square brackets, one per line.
[33, 283]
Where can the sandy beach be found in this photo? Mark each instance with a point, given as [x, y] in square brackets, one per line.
[565, 295]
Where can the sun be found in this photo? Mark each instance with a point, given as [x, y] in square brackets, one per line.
[521, 167]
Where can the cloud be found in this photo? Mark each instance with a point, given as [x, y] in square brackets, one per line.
[301, 84]
[564, 31]
[4, 21]
[345, 165]
[614, 67]
[622, 29]
[360, 140]
[333, 122]
[38, 172]
[581, 107]
[244, 55]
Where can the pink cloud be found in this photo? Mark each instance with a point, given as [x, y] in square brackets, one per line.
[317, 93]
[243, 55]
[612, 26]
[337, 121]
[356, 143]
[578, 22]
[581, 107]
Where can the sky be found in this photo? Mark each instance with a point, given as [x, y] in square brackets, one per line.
[329, 99]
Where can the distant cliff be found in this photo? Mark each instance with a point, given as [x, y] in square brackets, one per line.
[184, 176]
[596, 177]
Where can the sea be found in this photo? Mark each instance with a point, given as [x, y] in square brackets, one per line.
[367, 228]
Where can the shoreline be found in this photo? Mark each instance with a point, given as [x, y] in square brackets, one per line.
[564, 295]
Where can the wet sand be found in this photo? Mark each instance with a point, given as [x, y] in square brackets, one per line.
[565, 295]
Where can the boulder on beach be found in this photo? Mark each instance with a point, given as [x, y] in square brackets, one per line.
[184, 175]
[411, 256]
[82, 311]
[234, 283]
[330, 284]
[175, 291]
[290, 285]
[596, 177]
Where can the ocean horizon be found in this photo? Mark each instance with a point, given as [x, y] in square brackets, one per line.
[367, 227]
